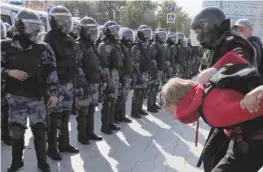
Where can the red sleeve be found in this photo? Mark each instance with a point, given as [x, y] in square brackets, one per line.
[190, 119]
[229, 57]
[226, 110]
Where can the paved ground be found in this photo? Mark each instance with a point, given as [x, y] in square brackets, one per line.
[155, 143]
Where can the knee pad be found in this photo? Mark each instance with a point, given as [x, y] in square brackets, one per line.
[39, 131]
[17, 131]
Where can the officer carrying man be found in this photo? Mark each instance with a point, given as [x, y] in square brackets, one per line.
[211, 28]
[88, 34]
[68, 57]
[126, 38]
[4, 106]
[142, 67]
[30, 71]
[158, 56]
[111, 61]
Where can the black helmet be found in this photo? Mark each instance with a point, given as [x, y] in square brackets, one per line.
[144, 32]
[61, 19]
[181, 37]
[88, 28]
[172, 39]
[3, 30]
[28, 24]
[126, 36]
[160, 35]
[10, 32]
[111, 30]
[208, 25]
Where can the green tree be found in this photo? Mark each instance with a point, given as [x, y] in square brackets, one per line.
[136, 13]
[182, 20]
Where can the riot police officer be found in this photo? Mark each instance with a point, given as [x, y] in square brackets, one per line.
[68, 58]
[126, 38]
[142, 67]
[170, 65]
[30, 70]
[212, 29]
[189, 58]
[88, 32]
[158, 56]
[4, 106]
[180, 56]
[110, 56]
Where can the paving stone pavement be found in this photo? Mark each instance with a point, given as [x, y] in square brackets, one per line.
[155, 143]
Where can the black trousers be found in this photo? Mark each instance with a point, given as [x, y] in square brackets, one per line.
[215, 149]
[234, 161]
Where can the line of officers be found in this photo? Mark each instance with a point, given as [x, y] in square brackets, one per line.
[49, 80]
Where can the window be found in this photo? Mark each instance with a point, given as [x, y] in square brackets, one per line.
[252, 11]
[261, 13]
[6, 19]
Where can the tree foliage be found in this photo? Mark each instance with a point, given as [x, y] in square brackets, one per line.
[131, 13]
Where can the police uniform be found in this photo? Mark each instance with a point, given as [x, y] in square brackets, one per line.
[71, 77]
[26, 98]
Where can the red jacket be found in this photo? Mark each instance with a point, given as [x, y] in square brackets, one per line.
[221, 107]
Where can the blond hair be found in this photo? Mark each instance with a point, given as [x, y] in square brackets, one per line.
[175, 89]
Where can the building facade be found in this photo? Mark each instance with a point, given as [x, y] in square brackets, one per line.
[252, 10]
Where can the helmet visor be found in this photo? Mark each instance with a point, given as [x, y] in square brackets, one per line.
[114, 31]
[64, 23]
[32, 29]
[147, 32]
[92, 32]
[161, 35]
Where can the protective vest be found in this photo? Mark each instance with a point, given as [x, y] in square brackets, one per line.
[68, 54]
[128, 61]
[145, 58]
[89, 62]
[242, 78]
[28, 61]
[161, 56]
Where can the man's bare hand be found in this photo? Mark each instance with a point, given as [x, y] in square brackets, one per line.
[206, 75]
[18, 74]
[252, 100]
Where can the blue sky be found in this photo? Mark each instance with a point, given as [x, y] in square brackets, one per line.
[192, 7]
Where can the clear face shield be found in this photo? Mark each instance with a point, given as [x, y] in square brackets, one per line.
[161, 35]
[64, 22]
[32, 28]
[147, 32]
[92, 32]
[115, 30]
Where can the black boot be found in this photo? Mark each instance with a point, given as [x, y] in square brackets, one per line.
[117, 109]
[17, 153]
[105, 116]
[82, 124]
[52, 150]
[150, 102]
[135, 104]
[5, 136]
[142, 112]
[63, 141]
[155, 99]
[123, 117]
[111, 116]
[90, 125]
[39, 134]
